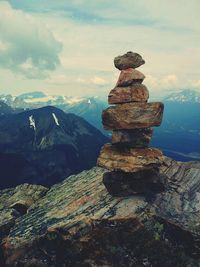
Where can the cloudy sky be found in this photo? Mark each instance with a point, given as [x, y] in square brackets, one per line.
[67, 47]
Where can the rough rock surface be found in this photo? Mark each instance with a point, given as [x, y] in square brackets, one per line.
[133, 116]
[123, 184]
[129, 159]
[14, 202]
[130, 76]
[128, 60]
[132, 138]
[134, 93]
[78, 223]
[179, 206]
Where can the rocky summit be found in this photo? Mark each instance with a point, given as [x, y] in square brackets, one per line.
[128, 158]
[14, 202]
[79, 223]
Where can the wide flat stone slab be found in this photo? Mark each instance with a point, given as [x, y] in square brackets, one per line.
[132, 138]
[129, 160]
[130, 76]
[128, 60]
[133, 116]
[134, 93]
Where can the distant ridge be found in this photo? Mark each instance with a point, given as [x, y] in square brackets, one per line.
[186, 95]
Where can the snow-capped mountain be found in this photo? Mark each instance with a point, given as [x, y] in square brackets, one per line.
[45, 145]
[32, 95]
[183, 96]
[5, 109]
[179, 132]
[90, 108]
[37, 99]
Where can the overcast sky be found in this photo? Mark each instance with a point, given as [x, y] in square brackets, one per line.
[68, 47]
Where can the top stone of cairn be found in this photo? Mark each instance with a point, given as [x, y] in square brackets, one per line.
[128, 60]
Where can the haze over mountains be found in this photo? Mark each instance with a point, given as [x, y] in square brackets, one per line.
[179, 134]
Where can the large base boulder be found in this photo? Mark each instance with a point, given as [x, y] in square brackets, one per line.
[127, 184]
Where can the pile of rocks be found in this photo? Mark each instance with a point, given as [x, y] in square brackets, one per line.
[133, 166]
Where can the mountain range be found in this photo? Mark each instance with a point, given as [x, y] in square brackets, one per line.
[5, 109]
[90, 108]
[178, 135]
[44, 145]
[184, 96]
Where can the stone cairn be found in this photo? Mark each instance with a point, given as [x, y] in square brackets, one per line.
[133, 166]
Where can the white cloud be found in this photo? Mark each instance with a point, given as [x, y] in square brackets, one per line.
[81, 80]
[58, 79]
[169, 81]
[196, 84]
[99, 81]
[163, 82]
[170, 45]
[151, 81]
[26, 46]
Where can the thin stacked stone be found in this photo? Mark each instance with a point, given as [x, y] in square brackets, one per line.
[133, 166]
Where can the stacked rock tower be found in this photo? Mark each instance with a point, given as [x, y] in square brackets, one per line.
[133, 166]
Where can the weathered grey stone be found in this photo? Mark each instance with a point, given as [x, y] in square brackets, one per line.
[14, 202]
[25, 194]
[134, 93]
[133, 116]
[128, 60]
[7, 220]
[132, 138]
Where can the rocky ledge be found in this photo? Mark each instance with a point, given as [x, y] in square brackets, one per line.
[78, 223]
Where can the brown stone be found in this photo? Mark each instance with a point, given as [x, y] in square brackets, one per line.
[130, 76]
[133, 116]
[129, 160]
[123, 184]
[134, 93]
[128, 60]
[132, 138]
